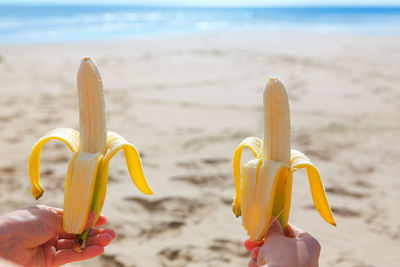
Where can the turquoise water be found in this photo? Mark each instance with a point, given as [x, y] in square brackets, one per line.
[69, 23]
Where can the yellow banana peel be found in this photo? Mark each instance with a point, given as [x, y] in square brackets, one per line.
[263, 188]
[92, 147]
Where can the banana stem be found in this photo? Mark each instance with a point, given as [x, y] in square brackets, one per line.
[81, 240]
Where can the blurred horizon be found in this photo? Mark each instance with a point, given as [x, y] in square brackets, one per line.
[214, 4]
[73, 22]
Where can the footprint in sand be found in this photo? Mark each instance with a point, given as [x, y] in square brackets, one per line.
[47, 172]
[9, 170]
[175, 211]
[8, 177]
[190, 165]
[341, 191]
[303, 140]
[345, 212]
[176, 207]
[219, 179]
[47, 120]
[176, 257]
[110, 260]
[362, 169]
[165, 229]
[13, 140]
[318, 154]
[227, 201]
[341, 211]
[225, 248]
[7, 116]
[363, 184]
[215, 161]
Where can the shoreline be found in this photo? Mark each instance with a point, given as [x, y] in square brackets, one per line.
[200, 34]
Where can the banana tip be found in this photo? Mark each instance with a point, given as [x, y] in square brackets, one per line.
[37, 194]
[237, 211]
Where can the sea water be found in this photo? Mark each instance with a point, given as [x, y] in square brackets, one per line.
[24, 23]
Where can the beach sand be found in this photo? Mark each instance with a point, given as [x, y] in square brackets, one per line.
[186, 102]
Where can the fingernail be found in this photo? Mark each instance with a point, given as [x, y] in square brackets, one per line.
[106, 239]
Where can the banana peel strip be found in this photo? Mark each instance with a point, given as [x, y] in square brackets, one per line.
[298, 161]
[67, 135]
[255, 146]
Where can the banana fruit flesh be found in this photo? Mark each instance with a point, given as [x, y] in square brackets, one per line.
[92, 147]
[263, 188]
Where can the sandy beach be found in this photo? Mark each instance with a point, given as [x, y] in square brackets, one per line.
[186, 102]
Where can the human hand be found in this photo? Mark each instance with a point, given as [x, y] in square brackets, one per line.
[294, 249]
[34, 236]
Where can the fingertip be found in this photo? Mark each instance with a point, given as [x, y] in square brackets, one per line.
[100, 221]
[250, 245]
[105, 239]
[112, 233]
[247, 244]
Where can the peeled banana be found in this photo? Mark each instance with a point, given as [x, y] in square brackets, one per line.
[92, 147]
[263, 188]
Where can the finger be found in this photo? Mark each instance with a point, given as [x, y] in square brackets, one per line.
[250, 245]
[102, 238]
[310, 242]
[53, 217]
[53, 241]
[252, 263]
[91, 217]
[68, 255]
[65, 235]
[275, 228]
[56, 210]
[254, 253]
[101, 231]
[293, 231]
[100, 221]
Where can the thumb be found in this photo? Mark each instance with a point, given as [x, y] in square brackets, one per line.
[275, 228]
[293, 231]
